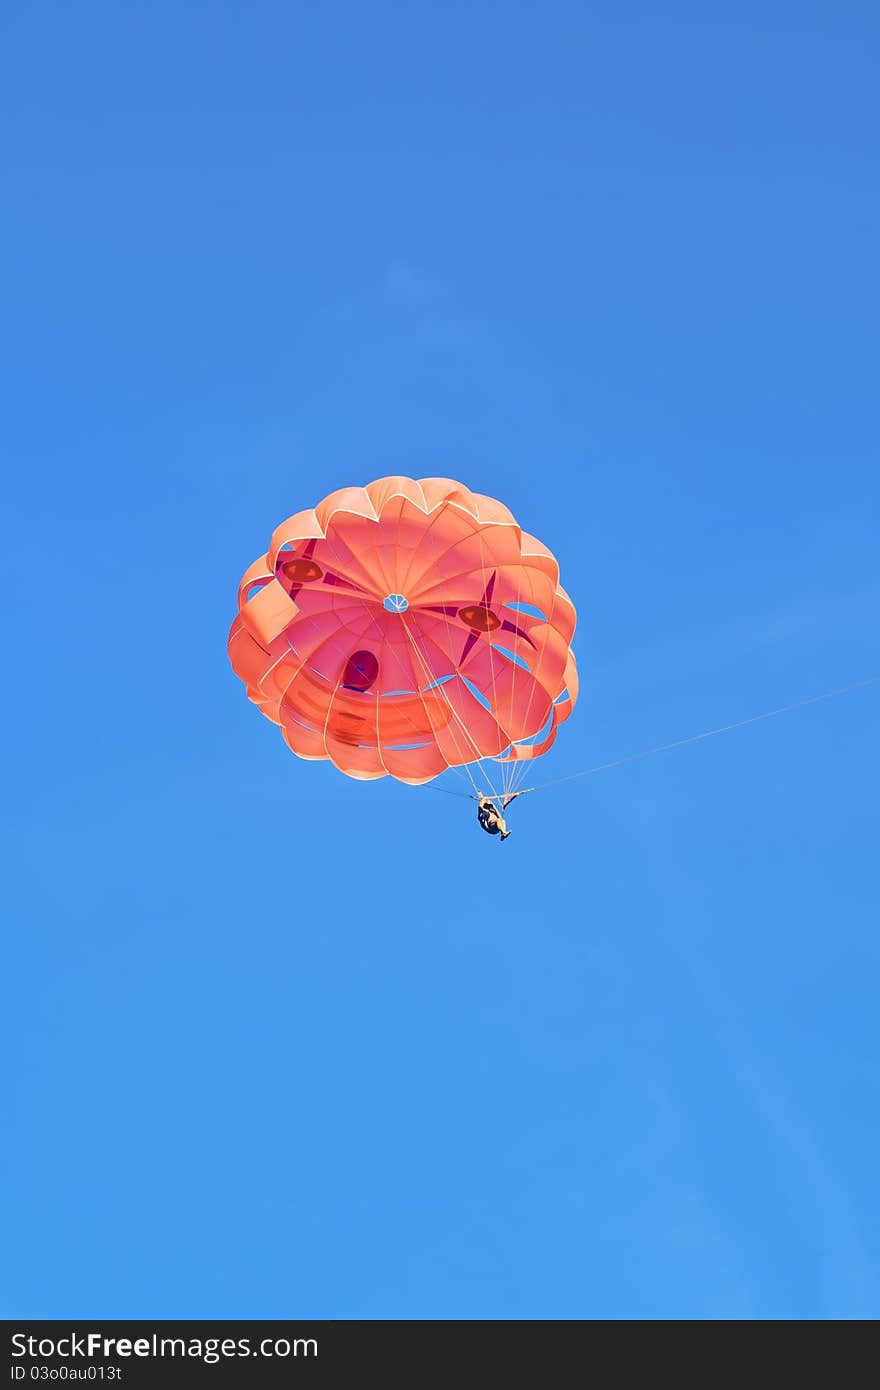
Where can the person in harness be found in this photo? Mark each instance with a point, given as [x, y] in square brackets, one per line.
[490, 818]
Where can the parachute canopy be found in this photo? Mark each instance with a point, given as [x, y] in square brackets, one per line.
[404, 628]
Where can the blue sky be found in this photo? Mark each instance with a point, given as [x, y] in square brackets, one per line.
[615, 264]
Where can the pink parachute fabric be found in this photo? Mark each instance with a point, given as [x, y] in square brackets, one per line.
[405, 628]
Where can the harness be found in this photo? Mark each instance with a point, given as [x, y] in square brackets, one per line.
[487, 820]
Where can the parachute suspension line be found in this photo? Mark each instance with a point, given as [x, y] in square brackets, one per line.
[508, 769]
[432, 541]
[522, 766]
[464, 774]
[426, 671]
[426, 666]
[453, 711]
[484, 570]
[510, 766]
[341, 566]
[709, 733]
[515, 769]
[447, 791]
[450, 644]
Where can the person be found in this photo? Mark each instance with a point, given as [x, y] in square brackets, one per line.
[490, 818]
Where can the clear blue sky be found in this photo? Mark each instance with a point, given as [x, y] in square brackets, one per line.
[617, 254]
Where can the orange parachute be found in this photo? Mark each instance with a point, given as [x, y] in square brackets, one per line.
[405, 628]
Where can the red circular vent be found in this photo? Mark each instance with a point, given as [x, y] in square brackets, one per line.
[301, 571]
[479, 617]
